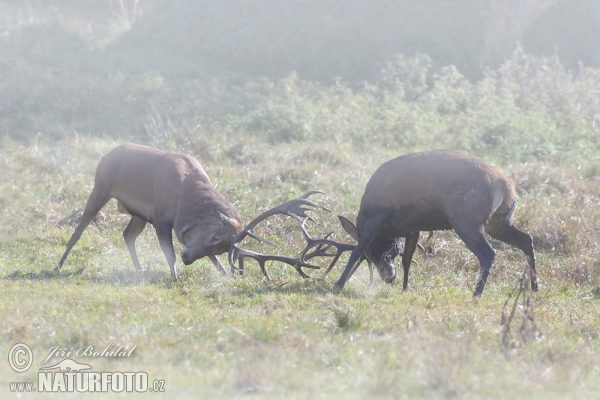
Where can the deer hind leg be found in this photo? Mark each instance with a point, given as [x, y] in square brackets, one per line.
[96, 201]
[475, 241]
[427, 248]
[410, 245]
[501, 228]
[131, 232]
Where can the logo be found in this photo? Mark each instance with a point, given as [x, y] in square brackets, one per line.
[69, 375]
[68, 365]
[20, 357]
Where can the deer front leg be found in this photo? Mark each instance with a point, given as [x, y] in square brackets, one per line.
[164, 231]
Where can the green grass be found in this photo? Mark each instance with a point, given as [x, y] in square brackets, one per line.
[213, 336]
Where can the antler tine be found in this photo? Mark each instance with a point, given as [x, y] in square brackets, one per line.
[320, 251]
[297, 263]
[322, 246]
[297, 209]
[310, 193]
[292, 208]
[325, 244]
[232, 257]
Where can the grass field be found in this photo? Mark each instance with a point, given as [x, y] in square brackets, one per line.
[64, 103]
[213, 336]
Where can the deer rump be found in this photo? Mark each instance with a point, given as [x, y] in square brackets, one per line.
[435, 190]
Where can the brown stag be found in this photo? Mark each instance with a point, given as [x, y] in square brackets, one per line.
[173, 193]
[428, 191]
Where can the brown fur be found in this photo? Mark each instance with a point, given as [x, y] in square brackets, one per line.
[436, 190]
[171, 192]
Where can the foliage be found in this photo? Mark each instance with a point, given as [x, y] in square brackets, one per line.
[525, 110]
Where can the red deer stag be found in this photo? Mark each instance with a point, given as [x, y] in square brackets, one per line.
[173, 193]
[434, 190]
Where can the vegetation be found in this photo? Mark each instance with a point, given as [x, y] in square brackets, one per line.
[264, 142]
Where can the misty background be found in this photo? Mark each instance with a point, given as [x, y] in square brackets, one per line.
[142, 67]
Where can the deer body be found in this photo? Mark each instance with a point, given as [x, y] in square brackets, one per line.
[170, 191]
[435, 190]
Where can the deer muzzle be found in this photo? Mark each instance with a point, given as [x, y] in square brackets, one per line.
[387, 273]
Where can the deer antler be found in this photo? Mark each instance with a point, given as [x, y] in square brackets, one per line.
[321, 251]
[293, 208]
[240, 254]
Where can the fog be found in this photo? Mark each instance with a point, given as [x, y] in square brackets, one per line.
[86, 59]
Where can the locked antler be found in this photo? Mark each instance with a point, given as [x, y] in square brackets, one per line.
[293, 208]
[314, 247]
[324, 244]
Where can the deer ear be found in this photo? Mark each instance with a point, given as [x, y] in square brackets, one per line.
[230, 222]
[349, 227]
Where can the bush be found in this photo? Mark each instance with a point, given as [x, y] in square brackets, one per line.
[527, 109]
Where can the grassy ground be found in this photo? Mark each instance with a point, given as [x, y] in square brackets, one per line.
[213, 336]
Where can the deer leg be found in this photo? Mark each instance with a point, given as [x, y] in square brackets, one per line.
[423, 247]
[475, 241]
[501, 229]
[217, 264]
[164, 231]
[410, 245]
[369, 264]
[367, 235]
[131, 232]
[370, 270]
[93, 206]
